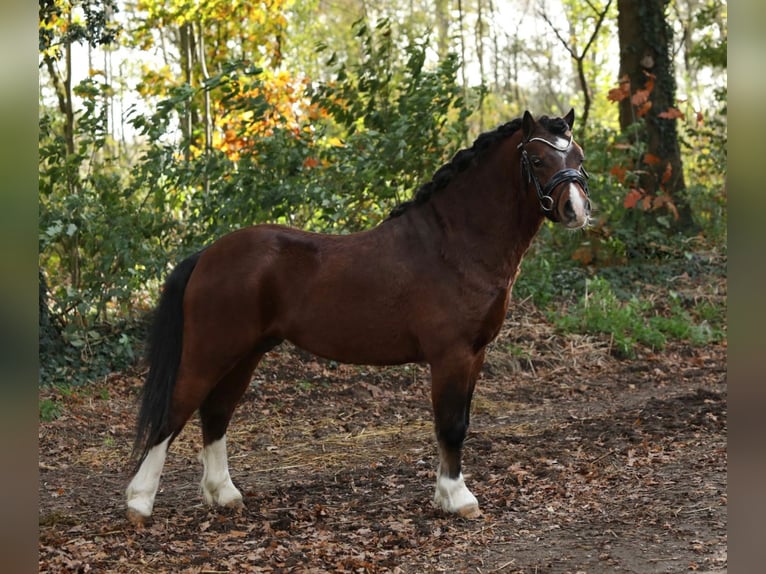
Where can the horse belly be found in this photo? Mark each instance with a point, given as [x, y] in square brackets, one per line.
[355, 329]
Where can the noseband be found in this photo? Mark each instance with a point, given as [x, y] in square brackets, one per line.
[547, 203]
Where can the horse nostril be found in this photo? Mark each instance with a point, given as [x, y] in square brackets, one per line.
[568, 209]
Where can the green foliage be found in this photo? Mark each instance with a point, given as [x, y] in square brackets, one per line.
[705, 159]
[109, 231]
[630, 225]
[600, 311]
[397, 119]
[49, 410]
[99, 246]
[624, 230]
[96, 29]
[636, 320]
[388, 123]
[92, 353]
[710, 50]
[97, 241]
[378, 119]
[548, 271]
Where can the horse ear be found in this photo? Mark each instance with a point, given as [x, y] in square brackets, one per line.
[569, 118]
[527, 124]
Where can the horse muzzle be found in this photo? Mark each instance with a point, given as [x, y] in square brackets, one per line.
[572, 206]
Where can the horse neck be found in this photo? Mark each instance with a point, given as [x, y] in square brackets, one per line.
[486, 213]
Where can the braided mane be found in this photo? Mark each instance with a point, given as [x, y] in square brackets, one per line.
[469, 156]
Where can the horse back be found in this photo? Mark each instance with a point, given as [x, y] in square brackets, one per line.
[344, 297]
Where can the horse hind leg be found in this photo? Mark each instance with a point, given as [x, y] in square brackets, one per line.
[215, 415]
[190, 389]
[143, 487]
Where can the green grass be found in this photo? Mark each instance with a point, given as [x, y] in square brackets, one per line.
[517, 352]
[631, 321]
[305, 385]
[49, 409]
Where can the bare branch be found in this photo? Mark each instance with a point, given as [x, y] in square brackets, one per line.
[564, 43]
[601, 14]
[601, 17]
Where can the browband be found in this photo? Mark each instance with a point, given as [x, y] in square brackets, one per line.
[545, 141]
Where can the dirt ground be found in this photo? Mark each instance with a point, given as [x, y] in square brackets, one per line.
[581, 462]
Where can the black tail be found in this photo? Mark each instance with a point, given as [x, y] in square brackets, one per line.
[164, 356]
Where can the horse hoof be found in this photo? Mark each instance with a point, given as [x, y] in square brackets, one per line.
[469, 511]
[136, 518]
[236, 505]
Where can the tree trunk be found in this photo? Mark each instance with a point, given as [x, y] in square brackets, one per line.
[462, 46]
[441, 9]
[479, 36]
[186, 49]
[646, 48]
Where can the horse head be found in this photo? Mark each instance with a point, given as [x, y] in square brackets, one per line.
[551, 162]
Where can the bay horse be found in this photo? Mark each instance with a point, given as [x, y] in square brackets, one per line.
[430, 284]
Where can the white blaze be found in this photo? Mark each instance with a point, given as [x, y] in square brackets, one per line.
[577, 201]
[561, 143]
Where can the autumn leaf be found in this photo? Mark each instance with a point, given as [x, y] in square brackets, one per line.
[583, 254]
[667, 202]
[632, 198]
[618, 172]
[671, 114]
[667, 173]
[646, 203]
[700, 118]
[618, 94]
[362, 508]
[640, 97]
[659, 201]
[621, 92]
[649, 86]
[651, 159]
[644, 109]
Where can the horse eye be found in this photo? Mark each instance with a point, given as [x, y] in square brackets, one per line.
[537, 162]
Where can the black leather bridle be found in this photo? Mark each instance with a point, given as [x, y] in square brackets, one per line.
[547, 203]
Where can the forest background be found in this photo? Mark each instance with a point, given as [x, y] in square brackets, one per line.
[163, 125]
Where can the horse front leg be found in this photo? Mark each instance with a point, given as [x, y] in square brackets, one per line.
[452, 386]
